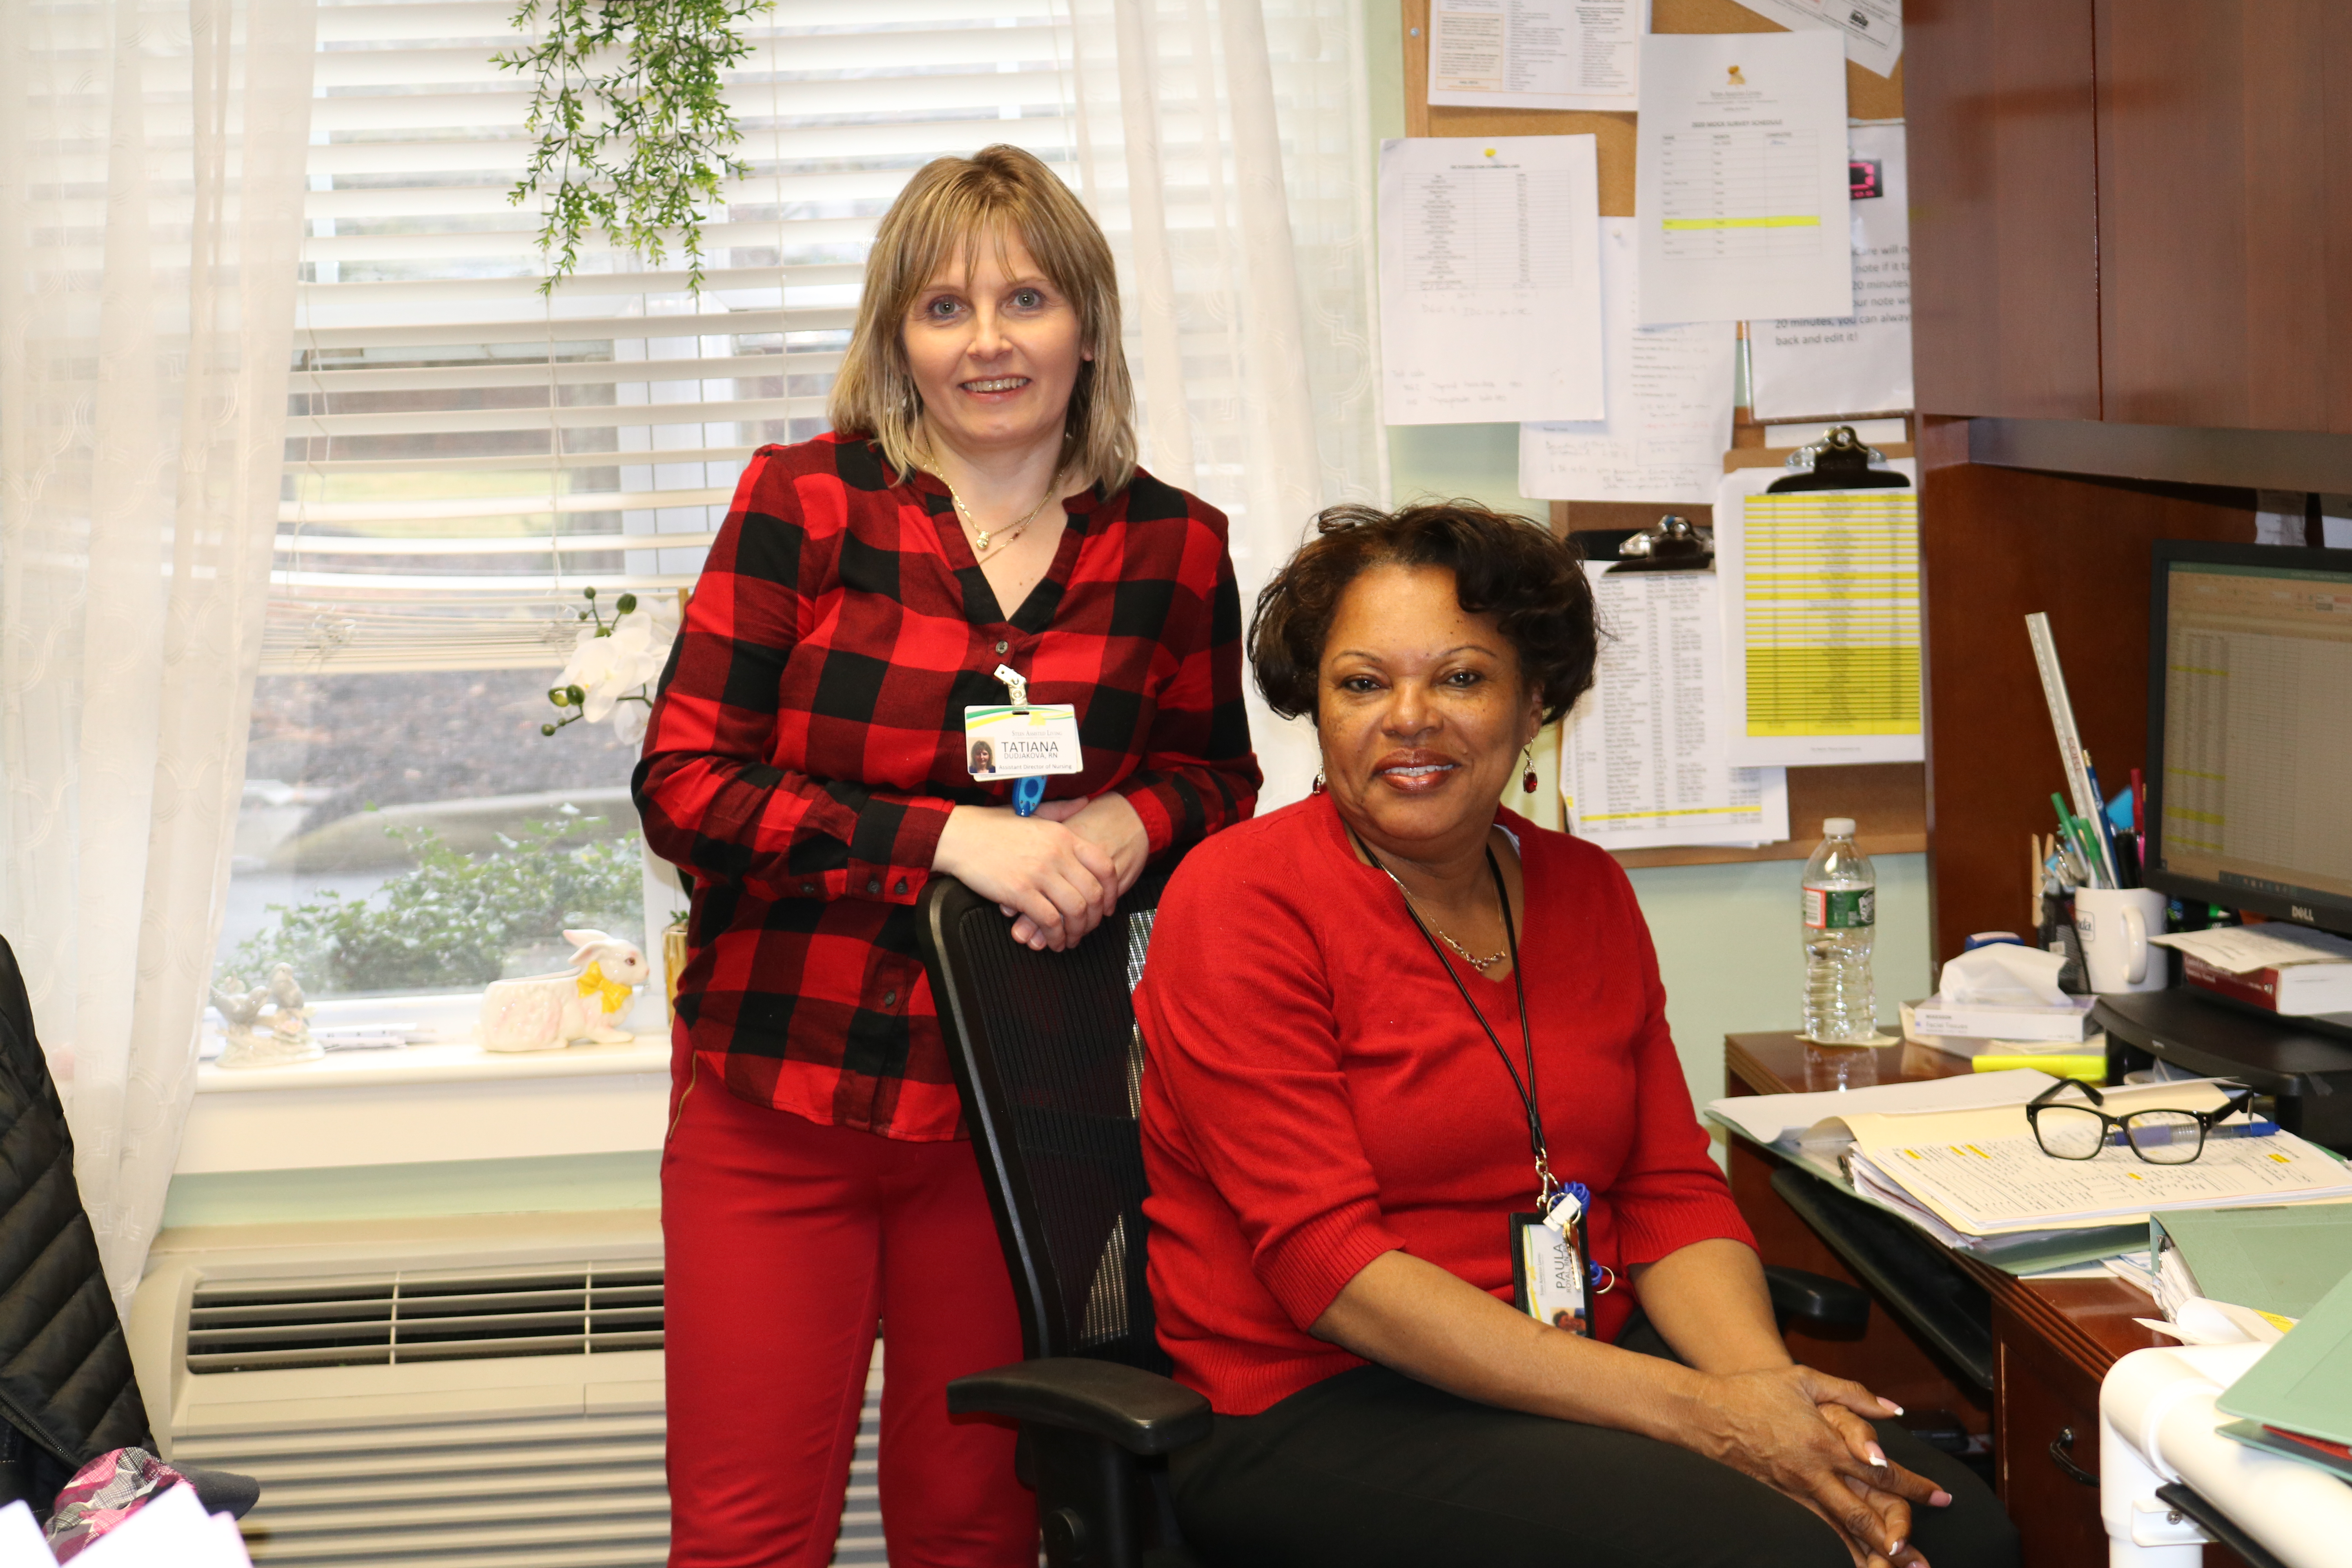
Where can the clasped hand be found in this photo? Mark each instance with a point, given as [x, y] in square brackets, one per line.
[1807, 1436]
[1056, 875]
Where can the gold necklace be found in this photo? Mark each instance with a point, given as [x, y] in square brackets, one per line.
[1468, 957]
[981, 548]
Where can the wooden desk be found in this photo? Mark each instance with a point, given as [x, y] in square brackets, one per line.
[2053, 1341]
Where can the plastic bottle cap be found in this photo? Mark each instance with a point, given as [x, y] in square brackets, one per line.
[1837, 827]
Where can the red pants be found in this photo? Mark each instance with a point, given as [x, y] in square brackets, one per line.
[785, 1242]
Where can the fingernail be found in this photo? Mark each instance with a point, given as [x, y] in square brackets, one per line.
[1941, 1500]
[1890, 1405]
[1895, 1546]
[1877, 1455]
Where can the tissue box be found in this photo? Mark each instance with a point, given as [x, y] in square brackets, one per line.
[1935, 1021]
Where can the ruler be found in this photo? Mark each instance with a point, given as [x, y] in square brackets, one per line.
[2087, 804]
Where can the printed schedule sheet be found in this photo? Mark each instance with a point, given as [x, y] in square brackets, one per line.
[1490, 285]
[1821, 613]
[1741, 177]
[1642, 758]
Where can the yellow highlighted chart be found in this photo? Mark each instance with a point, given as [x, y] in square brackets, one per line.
[1831, 603]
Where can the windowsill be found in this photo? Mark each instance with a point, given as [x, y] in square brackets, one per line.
[449, 1062]
[441, 1100]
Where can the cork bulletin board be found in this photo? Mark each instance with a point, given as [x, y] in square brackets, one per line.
[1888, 801]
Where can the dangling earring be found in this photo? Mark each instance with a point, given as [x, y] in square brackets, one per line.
[1528, 779]
[1318, 786]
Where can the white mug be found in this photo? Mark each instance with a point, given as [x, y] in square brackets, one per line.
[2115, 924]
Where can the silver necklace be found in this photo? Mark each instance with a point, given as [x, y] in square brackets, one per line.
[986, 542]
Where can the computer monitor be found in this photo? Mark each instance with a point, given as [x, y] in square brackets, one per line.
[2250, 725]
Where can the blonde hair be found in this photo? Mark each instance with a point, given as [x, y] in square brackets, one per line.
[956, 202]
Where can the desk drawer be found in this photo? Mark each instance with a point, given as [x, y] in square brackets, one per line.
[2046, 1444]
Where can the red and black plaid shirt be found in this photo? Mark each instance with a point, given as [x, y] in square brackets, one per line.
[807, 744]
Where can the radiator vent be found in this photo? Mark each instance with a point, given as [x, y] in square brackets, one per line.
[444, 1315]
[549, 1492]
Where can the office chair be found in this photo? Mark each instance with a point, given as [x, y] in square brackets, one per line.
[1046, 1057]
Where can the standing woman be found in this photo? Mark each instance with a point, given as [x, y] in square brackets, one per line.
[977, 504]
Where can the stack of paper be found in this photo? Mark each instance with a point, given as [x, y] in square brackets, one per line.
[1981, 1174]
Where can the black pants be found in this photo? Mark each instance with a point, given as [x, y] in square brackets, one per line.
[1371, 1469]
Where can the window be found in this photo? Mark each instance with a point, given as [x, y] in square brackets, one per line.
[467, 455]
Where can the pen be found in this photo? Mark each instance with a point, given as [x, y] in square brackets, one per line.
[2140, 816]
[2102, 836]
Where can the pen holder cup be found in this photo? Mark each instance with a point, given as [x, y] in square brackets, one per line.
[2114, 925]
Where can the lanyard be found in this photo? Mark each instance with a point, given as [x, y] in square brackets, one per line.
[1546, 1185]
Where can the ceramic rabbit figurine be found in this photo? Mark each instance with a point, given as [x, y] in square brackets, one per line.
[548, 1012]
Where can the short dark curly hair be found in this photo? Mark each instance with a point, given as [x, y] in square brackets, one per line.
[1516, 571]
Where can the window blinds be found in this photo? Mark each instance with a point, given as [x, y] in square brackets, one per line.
[464, 453]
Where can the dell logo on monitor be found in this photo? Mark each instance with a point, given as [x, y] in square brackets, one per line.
[2302, 912]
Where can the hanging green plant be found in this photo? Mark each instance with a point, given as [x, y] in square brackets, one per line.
[632, 120]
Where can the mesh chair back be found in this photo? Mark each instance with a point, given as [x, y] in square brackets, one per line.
[1050, 1067]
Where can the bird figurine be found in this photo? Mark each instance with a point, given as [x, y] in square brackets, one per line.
[286, 1040]
[239, 1008]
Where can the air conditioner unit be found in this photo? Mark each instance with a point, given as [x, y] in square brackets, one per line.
[470, 1391]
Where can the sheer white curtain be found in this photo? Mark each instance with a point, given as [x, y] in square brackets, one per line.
[151, 189]
[1225, 145]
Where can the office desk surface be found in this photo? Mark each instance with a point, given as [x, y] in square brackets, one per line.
[2053, 1341]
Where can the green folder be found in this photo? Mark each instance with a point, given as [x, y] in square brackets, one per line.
[2281, 1257]
[2303, 1383]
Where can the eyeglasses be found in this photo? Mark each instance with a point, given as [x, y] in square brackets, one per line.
[2159, 1136]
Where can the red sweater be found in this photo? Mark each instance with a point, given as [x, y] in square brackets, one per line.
[1316, 1094]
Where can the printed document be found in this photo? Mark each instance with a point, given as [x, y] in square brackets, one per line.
[1821, 619]
[1642, 758]
[2242, 950]
[1782, 1117]
[1740, 177]
[1669, 397]
[1490, 290]
[1873, 28]
[1535, 54]
[1812, 367]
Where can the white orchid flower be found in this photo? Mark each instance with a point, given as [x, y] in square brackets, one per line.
[620, 664]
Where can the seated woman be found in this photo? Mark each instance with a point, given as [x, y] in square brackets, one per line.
[1382, 1021]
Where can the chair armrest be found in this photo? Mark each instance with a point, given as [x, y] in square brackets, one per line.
[1799, 1296]
[1141, 1412]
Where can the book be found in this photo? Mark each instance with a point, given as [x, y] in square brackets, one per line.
[2333, 1457]
[2302, 1384]
[2279, 1260]
[2067, 1023]
[2298, 990]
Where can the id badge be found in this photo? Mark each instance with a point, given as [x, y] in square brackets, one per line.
[1021, 742]
[1548, 1275]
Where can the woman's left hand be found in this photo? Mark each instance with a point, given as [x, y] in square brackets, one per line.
[1109, 824]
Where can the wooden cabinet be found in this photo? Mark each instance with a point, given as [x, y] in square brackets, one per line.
[2004, 207]
[2224, 244]
[2133, 210]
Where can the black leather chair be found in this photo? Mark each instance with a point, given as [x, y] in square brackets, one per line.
[1047, 1058]
[67, 1393]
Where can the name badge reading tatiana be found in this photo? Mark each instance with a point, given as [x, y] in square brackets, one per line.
[1548, 1273]
[1021, 742]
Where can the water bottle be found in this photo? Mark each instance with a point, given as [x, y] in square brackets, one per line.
[1841, 909]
